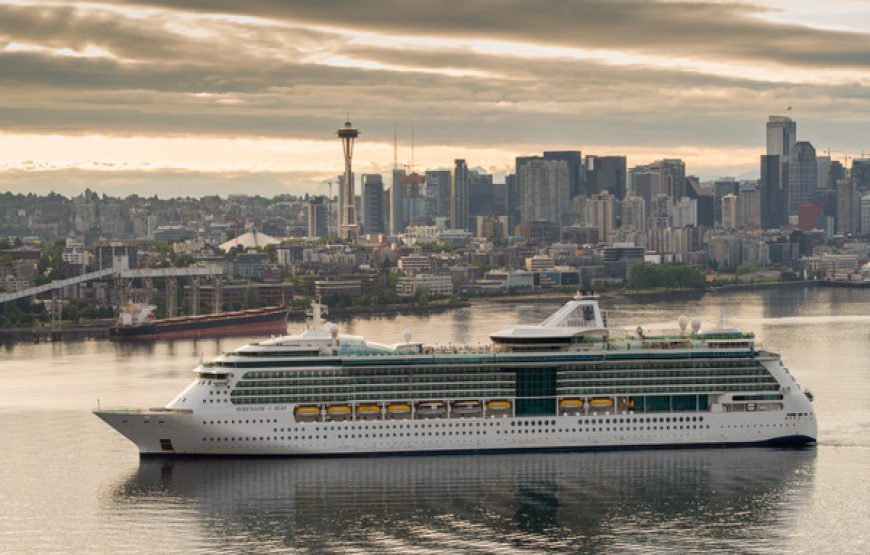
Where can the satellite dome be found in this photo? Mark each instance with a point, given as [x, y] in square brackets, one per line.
[696, 325]
[407, 336]
[683, 321]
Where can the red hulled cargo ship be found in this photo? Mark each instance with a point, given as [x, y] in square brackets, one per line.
[137, 323]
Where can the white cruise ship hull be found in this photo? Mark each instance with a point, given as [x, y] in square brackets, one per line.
[275, 432]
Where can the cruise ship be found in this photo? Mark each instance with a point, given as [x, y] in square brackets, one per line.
[569, 383]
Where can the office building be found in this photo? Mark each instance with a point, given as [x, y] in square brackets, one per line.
[781, 135]
[803, 176]
[459, 196]
[545, 190]
[372, 220]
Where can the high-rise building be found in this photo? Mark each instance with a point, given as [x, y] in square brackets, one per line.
[633, 213]
[413, 193]
[438, 186]
[781, 135]
[773, 190]
[606, 173]
[824, 163]
[802, 175]
[860, 173]
[848, 207]
[482, 195]
[660, 211]
[685, 213]
[865, 214]
[663, 177]
[372, 220]
[721, 187]
[513, 202]
[729, 212]
[576, 173]
[318, 218]
[749, 207]
[397, 216]
[459, 195]
[545, 191]
[601, 214]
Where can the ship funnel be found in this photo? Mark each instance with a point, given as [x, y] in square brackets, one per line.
[683, 321]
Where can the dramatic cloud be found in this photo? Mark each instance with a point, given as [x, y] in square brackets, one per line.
[490, 79]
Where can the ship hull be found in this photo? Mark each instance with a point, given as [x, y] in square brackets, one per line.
[272, 321]
[275, 433]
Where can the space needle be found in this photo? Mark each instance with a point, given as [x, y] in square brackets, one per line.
[349, 229]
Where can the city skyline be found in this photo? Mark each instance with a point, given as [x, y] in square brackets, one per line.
[170, 96]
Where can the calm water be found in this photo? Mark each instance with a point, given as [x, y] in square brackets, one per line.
[68, 483]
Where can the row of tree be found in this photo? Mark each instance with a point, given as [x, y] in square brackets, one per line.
[650, 276]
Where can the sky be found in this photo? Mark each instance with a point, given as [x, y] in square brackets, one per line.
[195, 97]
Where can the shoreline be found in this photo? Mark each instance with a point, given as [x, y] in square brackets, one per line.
[100, 330]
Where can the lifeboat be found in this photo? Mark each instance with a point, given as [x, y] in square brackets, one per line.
[398, 410]
[307, 412]
[601, 402]
[368, 411]
[463, 408]
[498, 405]
[571, 403]
[338, 412]
[431, 409]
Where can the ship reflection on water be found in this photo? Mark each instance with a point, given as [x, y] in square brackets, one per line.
[686, 500]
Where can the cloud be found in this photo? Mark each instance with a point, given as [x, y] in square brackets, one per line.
[720, 30]
[646, 78]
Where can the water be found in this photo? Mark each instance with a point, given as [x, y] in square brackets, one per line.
[69, 483]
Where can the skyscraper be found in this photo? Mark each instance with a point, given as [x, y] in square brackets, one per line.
[848, 207]
[372, 203]
[606, 173]
[663, 177]
[781, 135]
[545, 192]
[397, 216]
[438, 187]
[317, 218]
[576, 173]
[459, 195]
[721, 187]
[773, 185]
[803, 170]
[633, 213]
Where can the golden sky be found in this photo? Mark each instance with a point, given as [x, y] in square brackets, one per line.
[201, 96]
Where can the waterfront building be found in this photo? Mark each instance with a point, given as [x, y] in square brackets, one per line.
[407, 286]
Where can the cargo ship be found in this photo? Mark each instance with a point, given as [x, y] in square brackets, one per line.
[136, 322]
